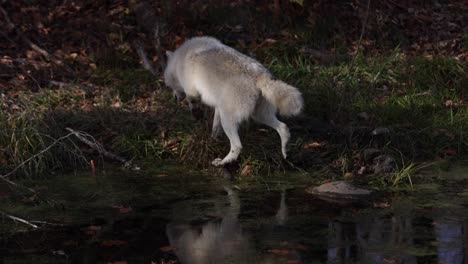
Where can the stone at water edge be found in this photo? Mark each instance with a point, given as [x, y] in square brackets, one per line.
[338, 189]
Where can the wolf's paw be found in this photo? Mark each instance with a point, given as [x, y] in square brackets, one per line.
[217, 162]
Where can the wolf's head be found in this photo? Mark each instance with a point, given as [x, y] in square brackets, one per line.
[170, 78]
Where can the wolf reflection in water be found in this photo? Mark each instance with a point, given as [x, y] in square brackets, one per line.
[366, 239]
[219, 241]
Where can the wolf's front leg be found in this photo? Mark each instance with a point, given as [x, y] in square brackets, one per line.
[230, 127]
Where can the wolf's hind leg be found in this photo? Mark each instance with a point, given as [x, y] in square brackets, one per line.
[230, 126]
[265, 114]
[178, 95]
[216, 130]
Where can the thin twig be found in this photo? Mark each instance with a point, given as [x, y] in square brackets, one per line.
[364, 25]
[144, 58]
[7, 18]
[363, 30]
[33, 79]
[98, 147]
[17, 219]
[46, 223]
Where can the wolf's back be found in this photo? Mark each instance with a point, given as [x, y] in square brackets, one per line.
[287, 99]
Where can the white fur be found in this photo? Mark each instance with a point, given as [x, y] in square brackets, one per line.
[235, 85]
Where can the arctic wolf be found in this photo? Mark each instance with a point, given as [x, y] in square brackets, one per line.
[235, 85]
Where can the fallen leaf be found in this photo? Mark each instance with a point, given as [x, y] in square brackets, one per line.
[116, 105]
[92, 230]
[270, 40]
[122, 209]
[167, 248]
[313, 144]
[111, 243]
[171, 143]
[73, 55]
[94, 227]
[246, 170]
[361, 170]
[448, 152]
[381, 205]
[302, 247]
[279, 251]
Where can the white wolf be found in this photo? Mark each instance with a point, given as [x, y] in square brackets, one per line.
[235, 85]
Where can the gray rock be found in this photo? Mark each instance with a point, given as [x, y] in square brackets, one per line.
[339, 190]
[384, 163]
[364, 116]
[380, 131]
[370, 154]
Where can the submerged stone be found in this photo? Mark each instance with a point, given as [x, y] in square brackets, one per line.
[339, 190]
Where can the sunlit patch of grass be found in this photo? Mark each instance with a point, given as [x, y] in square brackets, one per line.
[409, 95]
[126, 83]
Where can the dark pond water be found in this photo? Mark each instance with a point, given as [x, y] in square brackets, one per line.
[199, 219]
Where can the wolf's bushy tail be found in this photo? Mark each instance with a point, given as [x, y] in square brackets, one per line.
[287, 99]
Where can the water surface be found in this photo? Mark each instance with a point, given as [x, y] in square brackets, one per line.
[185, 217]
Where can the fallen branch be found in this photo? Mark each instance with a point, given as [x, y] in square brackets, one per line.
[17, 219]
[144, 58]
[22, 36]
[47, 223]
[98, 147]
[60, 84]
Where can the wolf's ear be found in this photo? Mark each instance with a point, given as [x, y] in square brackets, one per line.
[169, 54]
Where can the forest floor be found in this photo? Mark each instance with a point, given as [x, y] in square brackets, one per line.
[384, 86]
